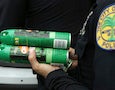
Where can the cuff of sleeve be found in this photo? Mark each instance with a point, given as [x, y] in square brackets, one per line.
[54, 75]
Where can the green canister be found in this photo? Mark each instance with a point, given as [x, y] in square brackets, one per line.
[36, 38]
[19, 54]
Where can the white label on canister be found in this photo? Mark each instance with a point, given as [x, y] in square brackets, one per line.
[60, 43]
[52, 35]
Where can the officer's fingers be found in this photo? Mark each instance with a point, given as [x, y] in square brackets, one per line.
[74, 64]
[71, 50]
[72, 54]
[73, 57]
[32, 59]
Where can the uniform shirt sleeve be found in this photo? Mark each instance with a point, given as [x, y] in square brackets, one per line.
[59, 80]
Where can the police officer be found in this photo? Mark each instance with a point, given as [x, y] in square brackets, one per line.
[96, 51]
[54, 15]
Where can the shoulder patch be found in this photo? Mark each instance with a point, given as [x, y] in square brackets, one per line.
[105, 32]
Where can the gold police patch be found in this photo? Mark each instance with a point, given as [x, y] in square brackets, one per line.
[105, 34]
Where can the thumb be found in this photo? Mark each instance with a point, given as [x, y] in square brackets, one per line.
[32, 58]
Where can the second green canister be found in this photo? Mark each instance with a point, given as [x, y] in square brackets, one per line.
[19, 54]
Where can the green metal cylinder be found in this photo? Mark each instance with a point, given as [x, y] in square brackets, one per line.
[19, 54]
[36, 38]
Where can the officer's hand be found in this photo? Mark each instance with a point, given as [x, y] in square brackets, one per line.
[73, 57]
[42, 69]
